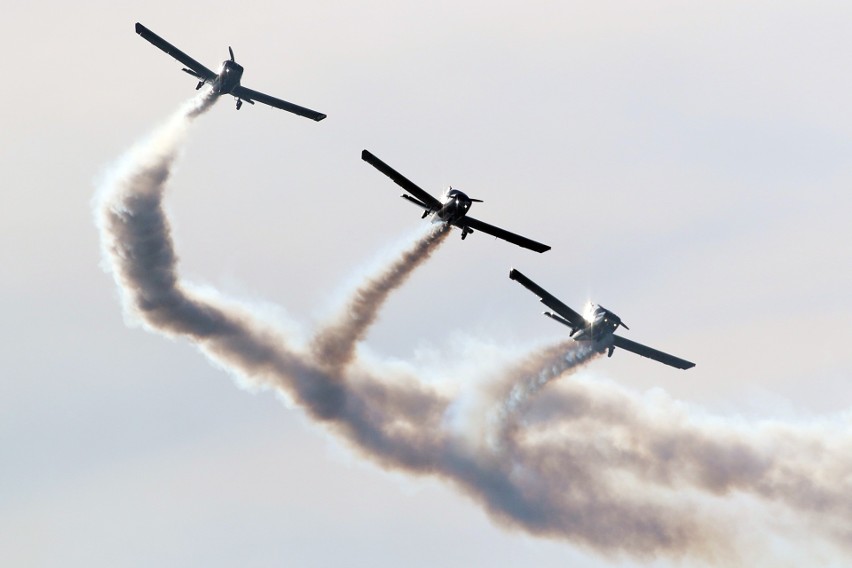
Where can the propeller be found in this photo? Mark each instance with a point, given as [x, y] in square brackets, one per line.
[232, 54]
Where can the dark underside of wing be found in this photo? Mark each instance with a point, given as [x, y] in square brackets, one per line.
[650, 353]
[252, 95]
[200, 70]
[401, 180]
[576, 320]
[478, 225]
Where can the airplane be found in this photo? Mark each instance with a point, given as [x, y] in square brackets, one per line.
[452, 210]
[598, 326]
[227, 80]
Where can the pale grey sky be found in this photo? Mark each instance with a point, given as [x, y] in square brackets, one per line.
[686, 161]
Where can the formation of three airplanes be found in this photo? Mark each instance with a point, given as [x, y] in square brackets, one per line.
[597, 326]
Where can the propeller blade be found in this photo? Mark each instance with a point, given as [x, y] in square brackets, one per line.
[231, 51]
[476, 200]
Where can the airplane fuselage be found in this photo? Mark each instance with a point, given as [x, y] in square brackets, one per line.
[602, 323]
[599, 327]
[455, 207]
[228, 78]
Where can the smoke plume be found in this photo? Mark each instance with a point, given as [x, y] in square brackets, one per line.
[585, 461]
[334, 345]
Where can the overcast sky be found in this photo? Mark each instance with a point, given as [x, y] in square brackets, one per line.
[688, 163]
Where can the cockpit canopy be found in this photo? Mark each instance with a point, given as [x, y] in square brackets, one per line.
[460, 198]
[601, 318]
[457, 194]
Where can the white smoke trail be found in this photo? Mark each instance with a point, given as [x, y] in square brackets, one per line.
[525, 381]
[586, 461]
[549, 365]
[334, 345]
[134, 187]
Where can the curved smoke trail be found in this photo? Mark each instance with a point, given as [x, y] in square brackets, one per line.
[334, 344]
[588, 462]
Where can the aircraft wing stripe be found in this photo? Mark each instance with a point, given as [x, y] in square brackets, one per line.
[650, 353]
[576, 320]
[206, 73]
[401, 180]
[252, 95]
[503, 234]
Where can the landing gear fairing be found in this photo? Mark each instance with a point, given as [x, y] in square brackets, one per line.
[227, 81]
[452, 210]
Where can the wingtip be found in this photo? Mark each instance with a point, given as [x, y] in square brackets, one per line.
[320, 116]
[365, 154]
[513, 273]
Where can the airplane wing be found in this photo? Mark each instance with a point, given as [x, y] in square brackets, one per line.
[503, 234]
[576, 320]
[200, 70]
[646, 351]
[401, 180]
[251, 95]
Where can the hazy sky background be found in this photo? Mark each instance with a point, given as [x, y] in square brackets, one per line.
[686, 161]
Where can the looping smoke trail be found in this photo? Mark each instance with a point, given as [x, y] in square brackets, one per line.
[133, 227]
[586, 461]
[399, 426]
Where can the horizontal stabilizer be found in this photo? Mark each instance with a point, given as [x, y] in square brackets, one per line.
[561, 320]
[193, 73]
[414, 201]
